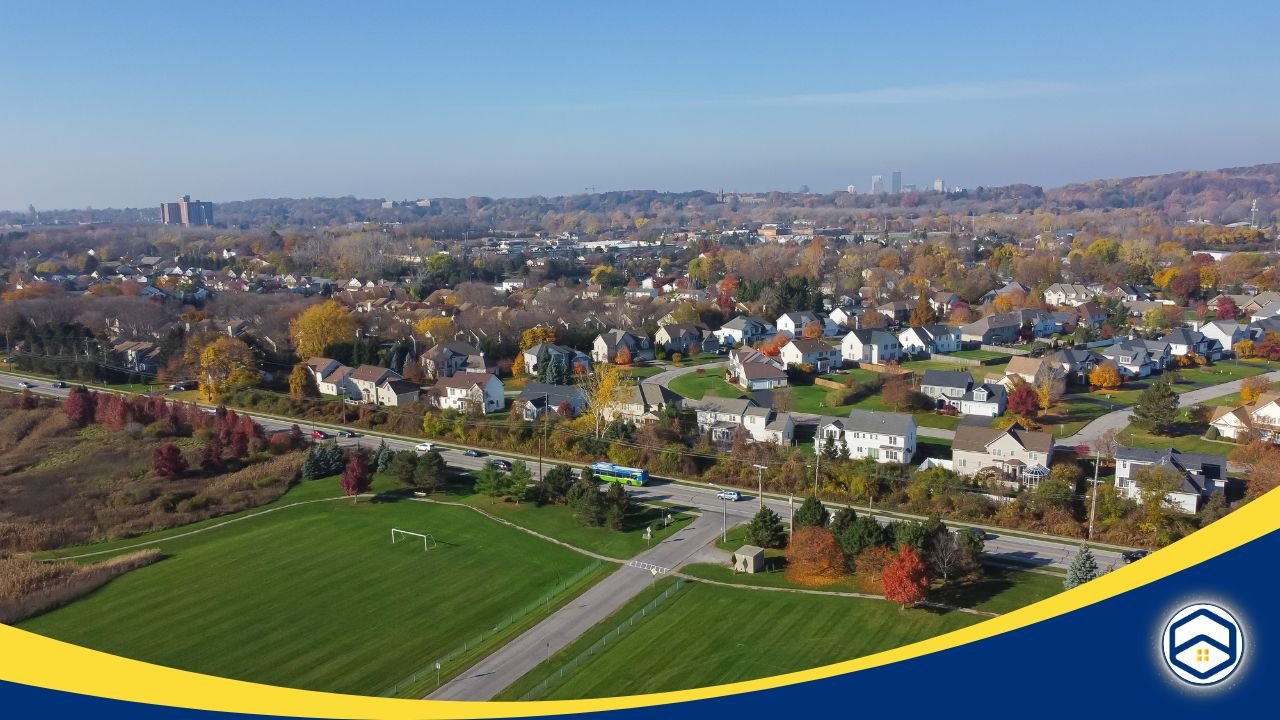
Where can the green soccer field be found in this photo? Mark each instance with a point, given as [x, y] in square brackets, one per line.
[317, 596]
[708, 635]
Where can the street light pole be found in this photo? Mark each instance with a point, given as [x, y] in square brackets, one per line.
[1093, 502]
[760, 478]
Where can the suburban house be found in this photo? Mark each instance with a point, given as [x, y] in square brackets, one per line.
[1066, 294]
[479, 393]
[1089, 314]
[138, 356]
[815, 353]
[541, 353]
[898, 312]
[1259, 419]
[792, 324]
[1035, 371]
[608, 344]
[930, 339]
[882, 436]
[1015, 456]
[743, 330]
[723, 417]
[1124, 292]
[684, 338]
[454, 356]
[1134, 358]
[1202, 475]
[870, 346]
[754, 370]
[1226, 332]
[998, 329]
[1075, 365]
[644, 402]
[958, 389]
[330, 376]
[1013, 287]
[366, 379]
[538, 399]
[944, 301]
[396, 392]
[846, 315]
[1185, 341]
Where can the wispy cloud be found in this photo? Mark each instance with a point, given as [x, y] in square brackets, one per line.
[925, 94]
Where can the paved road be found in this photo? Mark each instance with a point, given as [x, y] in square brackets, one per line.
[1119, 419]
[499, 670]
[999, 545]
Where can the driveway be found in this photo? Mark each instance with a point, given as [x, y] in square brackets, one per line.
[1119, 419]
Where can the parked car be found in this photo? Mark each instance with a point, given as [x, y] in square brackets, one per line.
[730, 495]
[503, 465]
[346, 434]
[319, 434]
[1134, 555]
[424, 447]
[473, 453]
[26, 384]
[59, 384]
[8, 361]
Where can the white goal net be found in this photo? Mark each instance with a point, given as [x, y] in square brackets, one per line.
[428, 540]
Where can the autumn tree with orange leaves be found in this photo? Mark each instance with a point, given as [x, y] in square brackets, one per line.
[814, 557]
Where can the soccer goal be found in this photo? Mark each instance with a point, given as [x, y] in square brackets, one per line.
[428, 540]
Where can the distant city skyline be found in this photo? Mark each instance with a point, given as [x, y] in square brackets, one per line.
[506, 99]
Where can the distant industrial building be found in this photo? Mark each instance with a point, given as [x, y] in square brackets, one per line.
[877, 185]
[186, 212]
[939, 185]
[897, 181]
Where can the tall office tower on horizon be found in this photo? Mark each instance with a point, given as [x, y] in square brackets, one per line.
[897, 181]
[939, 185]
[877, 185]
[186, 212]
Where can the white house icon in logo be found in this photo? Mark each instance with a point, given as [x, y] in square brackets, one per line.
[1202, 644]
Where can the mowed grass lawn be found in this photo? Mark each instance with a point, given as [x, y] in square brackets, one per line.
[695, 386]
[1224, 371]
[317, 597]
[708, 635]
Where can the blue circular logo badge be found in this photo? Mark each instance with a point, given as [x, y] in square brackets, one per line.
[1202, 644]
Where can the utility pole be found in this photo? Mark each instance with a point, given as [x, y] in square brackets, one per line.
[546, 403]
[791, 525]
[1093, 503]
[760, 480]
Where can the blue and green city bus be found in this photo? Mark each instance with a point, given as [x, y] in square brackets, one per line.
[619, 474]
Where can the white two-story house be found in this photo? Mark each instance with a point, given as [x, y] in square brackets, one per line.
[870, 346]
[815, 353]
[882, 436]
[930, 339]
[478, 393]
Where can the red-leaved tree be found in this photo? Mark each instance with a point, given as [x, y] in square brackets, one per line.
[357, 477]
[1227, 309]
[1024, 401]
[904, 580]
[79, 406]
[167, 461]
[211, 455]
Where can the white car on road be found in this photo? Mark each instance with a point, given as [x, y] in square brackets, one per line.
[425, 447]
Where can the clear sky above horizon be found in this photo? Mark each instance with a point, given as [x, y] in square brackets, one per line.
[129, 104]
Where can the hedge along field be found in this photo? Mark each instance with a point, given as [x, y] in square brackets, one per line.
[317, 597]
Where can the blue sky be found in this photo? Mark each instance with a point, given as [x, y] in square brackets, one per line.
[115, 104]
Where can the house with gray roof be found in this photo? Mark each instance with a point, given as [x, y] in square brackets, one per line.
[1200, 475]
[882, 436]
[958, 389]
[607, 345]
[1012, 456]
[743, 329]
[537, 399]
[721, 418]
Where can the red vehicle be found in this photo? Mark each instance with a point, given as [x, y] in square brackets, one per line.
[319, 434]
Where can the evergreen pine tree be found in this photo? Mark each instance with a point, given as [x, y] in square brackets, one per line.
[1083, 568]
[812, 513]
[382, 458]
[765, 530]
[841, 521]
[1157, 408]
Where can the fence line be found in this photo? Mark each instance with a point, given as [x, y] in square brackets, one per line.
[599, 645]
[429, 669]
